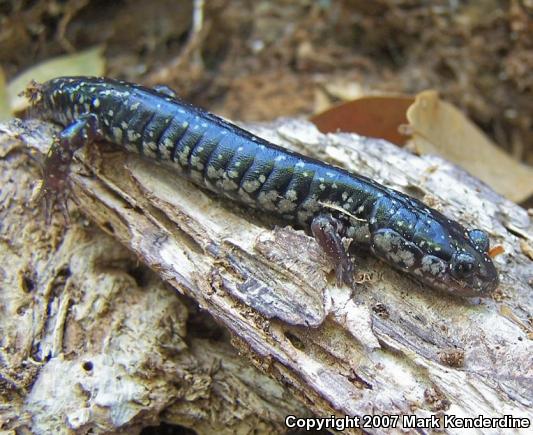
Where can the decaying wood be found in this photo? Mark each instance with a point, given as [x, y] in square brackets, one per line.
[92, 341]
[389, 346]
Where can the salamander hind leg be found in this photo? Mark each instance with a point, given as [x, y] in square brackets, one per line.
[327, 231]
[54, 187]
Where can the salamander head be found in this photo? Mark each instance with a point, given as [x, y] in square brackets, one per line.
[472, 273]
[455, 262]
[39, 96]
[468, 271]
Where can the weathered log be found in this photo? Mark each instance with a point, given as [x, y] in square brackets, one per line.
[390, 346]
[92, 340]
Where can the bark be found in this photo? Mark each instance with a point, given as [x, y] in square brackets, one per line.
[390, 346]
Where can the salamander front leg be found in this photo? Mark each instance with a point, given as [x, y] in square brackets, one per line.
[54, 187]
[327, 231]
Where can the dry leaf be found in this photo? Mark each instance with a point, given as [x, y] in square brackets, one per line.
[496, 250]
[345, 90]
[5, 112]
[373, 116]
[527, 249]
[440, 128]
[88, 63]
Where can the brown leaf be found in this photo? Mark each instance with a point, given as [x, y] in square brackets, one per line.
[374, 116]
[88, 63]
[5, 113]
[440, 128]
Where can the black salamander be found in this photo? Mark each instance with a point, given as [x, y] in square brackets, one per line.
[330, 202]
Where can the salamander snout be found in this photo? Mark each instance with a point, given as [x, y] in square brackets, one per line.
[474, 271]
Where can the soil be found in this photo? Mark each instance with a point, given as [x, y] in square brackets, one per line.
[259, 60]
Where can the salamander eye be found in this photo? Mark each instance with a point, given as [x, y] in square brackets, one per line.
[479, 238]
[462, 264]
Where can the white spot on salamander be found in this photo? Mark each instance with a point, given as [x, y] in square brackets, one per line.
[266, 199]
[117, 133]
[251, 186]
[133, 136]
[285, 206]
[433, 265]
[228, 184]
[291, 195]
[214, 173]
[183, 155]
[195, 162]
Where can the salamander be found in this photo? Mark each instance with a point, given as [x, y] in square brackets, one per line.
[332, 204]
